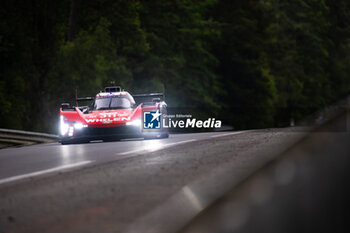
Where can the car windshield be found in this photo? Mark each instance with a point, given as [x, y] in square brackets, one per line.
[115, 102]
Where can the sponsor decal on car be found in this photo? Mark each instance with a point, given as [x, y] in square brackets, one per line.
[107, 120]
[112, 114]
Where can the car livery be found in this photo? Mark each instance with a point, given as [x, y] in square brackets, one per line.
[112, 115]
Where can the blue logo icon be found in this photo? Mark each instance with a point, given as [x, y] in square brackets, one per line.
[152, 120]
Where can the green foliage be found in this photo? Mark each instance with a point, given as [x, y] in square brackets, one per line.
[299, 58]
[244, 67]
[88, 62]
[339, 48]
[251, 63]
[180, 54]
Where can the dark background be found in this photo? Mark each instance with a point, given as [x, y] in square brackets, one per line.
[253, 64]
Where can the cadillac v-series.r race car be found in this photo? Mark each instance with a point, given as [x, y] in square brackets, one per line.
[112, 115]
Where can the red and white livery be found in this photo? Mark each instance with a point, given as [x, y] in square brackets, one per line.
[112, 115]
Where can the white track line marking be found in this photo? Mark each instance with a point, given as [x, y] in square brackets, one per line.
[131, 152]
[28, 175]
[177, 143]
[227, 134]
[156, 149]
[144, 150]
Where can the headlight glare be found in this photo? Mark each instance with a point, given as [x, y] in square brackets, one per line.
[63, 126]
[134, 123]
[79, 125]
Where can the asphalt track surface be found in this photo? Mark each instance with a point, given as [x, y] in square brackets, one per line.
[109, 186]
[20, 163]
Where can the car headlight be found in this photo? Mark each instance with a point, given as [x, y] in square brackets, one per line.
[79, 125]
[134, 123]
[70, 126]
[63, 125]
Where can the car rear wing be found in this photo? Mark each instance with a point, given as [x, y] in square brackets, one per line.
[149, 95]
[82, 99]
[66, 107]
[153, 95]
[85, 99]
[156, 97]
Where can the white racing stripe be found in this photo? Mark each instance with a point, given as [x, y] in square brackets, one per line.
[227, 134]
[28, 175]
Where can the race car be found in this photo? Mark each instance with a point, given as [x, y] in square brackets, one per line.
[113, 115]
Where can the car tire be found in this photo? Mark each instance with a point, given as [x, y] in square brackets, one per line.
[161, 135]
[65, 142]
[73, 141]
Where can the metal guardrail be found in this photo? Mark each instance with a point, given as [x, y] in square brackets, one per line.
[10, 137]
